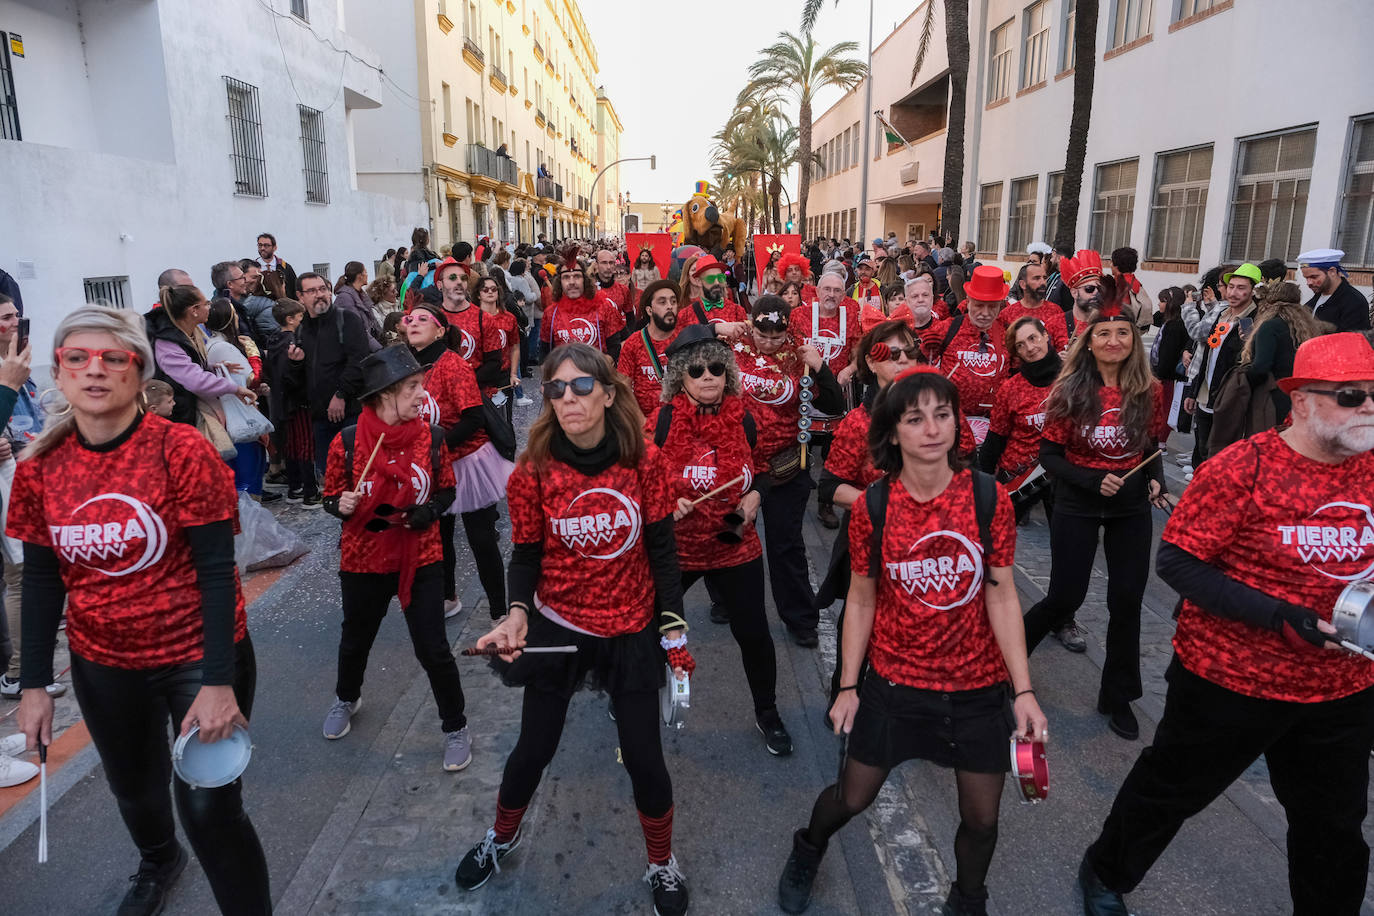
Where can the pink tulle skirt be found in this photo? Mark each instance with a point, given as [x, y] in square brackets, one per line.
[480, 479]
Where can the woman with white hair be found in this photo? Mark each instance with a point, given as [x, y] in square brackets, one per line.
[128, 519]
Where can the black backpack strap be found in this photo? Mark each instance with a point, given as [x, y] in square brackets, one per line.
[436, 449]
[349, 436]
[663, 424]
[875, 499]
[984, 508]
[955, 324]
[751, 430]
[701, 313]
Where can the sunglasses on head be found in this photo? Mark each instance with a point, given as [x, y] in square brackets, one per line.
[1345, 397]
[80, 358]
[581, 386]
[696, 370]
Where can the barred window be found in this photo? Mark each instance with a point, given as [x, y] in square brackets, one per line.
[111, 292]
[245, 135]
[9, 104]
[1269, 202]
[323, 271]
[1021, 213]
[1356, 233]
[1054, 190]
[315, 164]
[999, 62]
[1179, 204]
[1113, 205]
[1035, 53]
[989, 217]
[1130, 20]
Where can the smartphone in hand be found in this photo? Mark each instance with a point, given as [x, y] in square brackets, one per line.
[23, 335]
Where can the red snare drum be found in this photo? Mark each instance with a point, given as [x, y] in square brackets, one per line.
[1030, 769]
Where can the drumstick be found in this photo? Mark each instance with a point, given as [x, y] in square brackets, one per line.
[1355, 647]
[42, 801]
[367, 467]
[1141, 465]
[720, 489]
[498, 650]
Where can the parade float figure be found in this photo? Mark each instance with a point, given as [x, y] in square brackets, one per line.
[703, 224]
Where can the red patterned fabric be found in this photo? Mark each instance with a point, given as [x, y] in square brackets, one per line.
[770, 382]
[477, 334]
[300, 436]
[834, 343]
[728, 311]
[117, 522]
[1050, 315]
[977, 367]
[357, 551]
[930, 627]
[1018, 415]
[588, 321]
[595, 572]
[620, 298]
[507, 333]
[636, 366]
[1104, 445]
[848, 458]
[702, 452]
[450, 389]
[1293, 528]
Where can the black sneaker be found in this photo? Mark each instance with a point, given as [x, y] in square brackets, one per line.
[1098, 898]
[483, 859]
[295, 496]
[275, 479]
[150, 886]
[798, 875]
[774, 733]
[269, 496]
[669, 887]
[719, 614]
[807, 639]
[313, 501]
[1121, 720]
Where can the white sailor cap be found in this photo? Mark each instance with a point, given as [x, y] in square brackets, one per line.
[1038, 248]
[1321, 258]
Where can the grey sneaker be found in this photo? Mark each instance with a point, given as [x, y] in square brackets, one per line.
[457, 750]
[1071, 637]
[9, 689]
[337, 722]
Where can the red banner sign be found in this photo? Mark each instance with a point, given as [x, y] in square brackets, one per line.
[766, 245]
[659, 244]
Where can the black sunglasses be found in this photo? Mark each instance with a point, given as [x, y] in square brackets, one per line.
[1090, 288]
[1345, 397]
[581, 386]
[698, 369]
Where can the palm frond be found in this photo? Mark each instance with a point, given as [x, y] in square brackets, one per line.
[923, 43]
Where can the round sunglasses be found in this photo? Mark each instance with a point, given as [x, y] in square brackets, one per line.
[696, 370]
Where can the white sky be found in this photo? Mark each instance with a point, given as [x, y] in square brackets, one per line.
[641, 49]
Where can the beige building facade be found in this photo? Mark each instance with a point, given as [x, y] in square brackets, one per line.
[515, 125]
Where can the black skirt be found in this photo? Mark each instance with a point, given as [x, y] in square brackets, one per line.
[966, 730]
[634, 662]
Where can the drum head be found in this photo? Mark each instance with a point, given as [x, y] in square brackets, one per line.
[665, 699]
[208, 766]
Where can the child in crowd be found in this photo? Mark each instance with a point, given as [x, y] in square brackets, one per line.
[289, 410]
[159, 396]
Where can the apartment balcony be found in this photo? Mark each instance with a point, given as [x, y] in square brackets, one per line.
[472, 53]
[482, 161]
[498, 79]
[538, 52]
[583, 203]
[539, 119]
[548, 189]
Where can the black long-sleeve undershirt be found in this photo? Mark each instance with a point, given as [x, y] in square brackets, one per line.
[469, 422]
[489, 373]
[1213, 590]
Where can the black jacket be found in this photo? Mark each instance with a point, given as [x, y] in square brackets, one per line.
[335, 346]
[1346, 308]
[160, 327]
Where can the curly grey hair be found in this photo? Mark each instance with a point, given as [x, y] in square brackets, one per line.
[700, 354]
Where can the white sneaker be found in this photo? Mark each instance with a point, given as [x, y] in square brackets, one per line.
[9, 689]
[15, 772]
[13, 745]
[523, 400]
[453, 607]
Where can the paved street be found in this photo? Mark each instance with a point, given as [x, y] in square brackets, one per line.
[371, 824]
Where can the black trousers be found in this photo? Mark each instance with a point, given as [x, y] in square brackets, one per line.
[784, 510]
[365, 600]
[1073, 547]
[324, 432]
[1318, 759]
[127, 712]
[542, 717]
[741, 591]
[1202, 430]
[480, 528]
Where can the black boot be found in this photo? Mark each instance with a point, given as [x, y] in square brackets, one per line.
[151, 883]
[960, 904]
[1098, 898]
[794, 887]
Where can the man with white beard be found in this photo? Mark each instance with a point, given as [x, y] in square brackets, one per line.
[1261, 545]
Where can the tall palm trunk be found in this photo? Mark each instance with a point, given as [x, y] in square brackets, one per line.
[957, 48]
[804, 164]
[1084, 72]
[775, 192]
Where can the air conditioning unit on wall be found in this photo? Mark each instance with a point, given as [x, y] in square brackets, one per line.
[909, 172]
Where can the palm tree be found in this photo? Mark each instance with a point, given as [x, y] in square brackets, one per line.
[762, 141]
[792, 68]
[1084, 73]
[957, 50]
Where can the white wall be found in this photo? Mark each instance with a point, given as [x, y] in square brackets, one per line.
[76, 211]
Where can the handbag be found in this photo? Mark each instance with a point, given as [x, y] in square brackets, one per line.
[785, 465]
[212, 428]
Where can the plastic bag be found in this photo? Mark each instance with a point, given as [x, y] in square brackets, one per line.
[244, 423]
[262, 541]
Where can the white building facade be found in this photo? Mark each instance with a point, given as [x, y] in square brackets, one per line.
[137, 135]
[1205, 147]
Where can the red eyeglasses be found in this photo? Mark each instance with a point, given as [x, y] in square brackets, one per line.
[112, 359]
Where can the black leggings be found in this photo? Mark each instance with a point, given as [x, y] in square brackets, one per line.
[480, 527]
[741, 592]
[541, 726]
[366, 597]
[974, 840]
[1126, 543]
[127, 712]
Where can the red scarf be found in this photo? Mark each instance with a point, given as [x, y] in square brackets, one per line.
[390, 483]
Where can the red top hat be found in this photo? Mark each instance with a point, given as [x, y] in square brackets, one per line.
[1331, 358]
[1085, 265]
[986, 284]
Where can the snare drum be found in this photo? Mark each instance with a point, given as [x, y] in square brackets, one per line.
[674, 697]
[1353, 615]
[1030, 769]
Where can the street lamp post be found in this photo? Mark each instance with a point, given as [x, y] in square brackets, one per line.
[653, 165]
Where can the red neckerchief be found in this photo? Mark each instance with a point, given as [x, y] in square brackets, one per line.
[390, 480]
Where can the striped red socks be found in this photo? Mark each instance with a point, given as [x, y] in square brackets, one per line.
[508, 821]
[658, 836]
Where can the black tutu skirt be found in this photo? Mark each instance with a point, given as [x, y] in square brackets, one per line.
[960, 729]
[632, 663]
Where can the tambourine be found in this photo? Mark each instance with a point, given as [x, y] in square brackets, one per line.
[804, 408]
[211, 765]
[804, 436]
[1030, 769]
[804, 422]
[1353, 617]
[673, 697]
[805, 381]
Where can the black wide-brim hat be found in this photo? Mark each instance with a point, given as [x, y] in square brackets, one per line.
[386, 367]
[690, 336]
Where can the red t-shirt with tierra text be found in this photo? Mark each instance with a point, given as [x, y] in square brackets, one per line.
[771, 382]
[849, 459]
[930, 626]
[588, 321]
[1293, 528]
[477, 334]
[116, 520]
[975, 361]
[1105, 446]
[833, 340]
[595, 569]
[450, 389]
[644, 377]
[1018, 415]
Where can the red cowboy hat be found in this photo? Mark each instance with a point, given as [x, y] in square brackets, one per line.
[1331, 359]
[986, 284]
